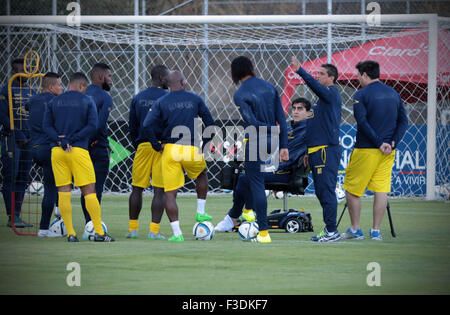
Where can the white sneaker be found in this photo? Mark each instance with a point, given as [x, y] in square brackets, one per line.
[48, 233]
[226, 225]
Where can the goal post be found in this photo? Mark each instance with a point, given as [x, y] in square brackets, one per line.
[202, 47]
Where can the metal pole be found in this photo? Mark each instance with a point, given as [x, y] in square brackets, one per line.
[363, 25]
[8, 38]
[144, 55]
[54, 59]
[78, 46]
[329, 12]
[136, 49]
[205, 58]
[431, 108]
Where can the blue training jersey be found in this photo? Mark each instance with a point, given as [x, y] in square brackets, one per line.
[20, 96]
[104, 104]
[72, 115]
[380, 116]
[323, 127]
[296, 143]
[36, 106]
[260, 106]
[176, 109]
[140, 106]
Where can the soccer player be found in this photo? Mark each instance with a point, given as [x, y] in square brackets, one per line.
[99, 150]
[15, 155]
[260, 106]
[70, 121]
[41, 150]
[381, 123]
[322, 140]
[147, 161]
[296, 146]
[180, 109]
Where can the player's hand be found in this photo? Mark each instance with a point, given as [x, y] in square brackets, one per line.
[295, 63]
[306, 161]
[68, 148]
[385, 148]
[284, 155]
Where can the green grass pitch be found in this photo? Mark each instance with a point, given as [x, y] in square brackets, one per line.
[417, 261]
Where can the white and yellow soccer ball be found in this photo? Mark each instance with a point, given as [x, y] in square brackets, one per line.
[203, 231]
[340, 194]
[248, 230]
[36, 188]
[57, 226]
[89, 229]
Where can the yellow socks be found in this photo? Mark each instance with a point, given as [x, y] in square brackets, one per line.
[133, 225]
[93, 207]
[154, 227]
[65, 208]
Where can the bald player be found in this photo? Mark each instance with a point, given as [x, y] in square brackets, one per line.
[179, 108]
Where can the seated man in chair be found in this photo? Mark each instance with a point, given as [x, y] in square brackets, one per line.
[297, 148]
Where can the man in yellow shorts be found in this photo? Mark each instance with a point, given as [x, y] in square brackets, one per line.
[147, 161]
[177, 111]
[69, 121]
[381, 123]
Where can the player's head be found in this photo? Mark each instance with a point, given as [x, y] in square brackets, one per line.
[17, 65]
[51, 82]
[159, 75]
[78, 82]
[300, 109]
[368, 71]
[101, 75]
[241, 67]
[327, 74]
[175, 80]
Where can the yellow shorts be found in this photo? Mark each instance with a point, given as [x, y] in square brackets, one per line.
[368, 168]
[76, 163]
[175, 159]
[146, 164]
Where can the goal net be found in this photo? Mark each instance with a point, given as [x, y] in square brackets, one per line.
[203, 52]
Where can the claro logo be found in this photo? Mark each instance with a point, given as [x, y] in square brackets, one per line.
[392, 51]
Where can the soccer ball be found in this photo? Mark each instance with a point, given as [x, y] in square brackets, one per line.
[248, 230]
[203, 231]
[57, 226]
[278, 194]
[340, 194]
[36, 188]
[89, 229]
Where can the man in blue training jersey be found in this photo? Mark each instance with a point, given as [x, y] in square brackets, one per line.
[175, 115]
[41, 150]
[99, 150]
[322, 139]
[70, 120]
[16, 155]
[147, 161]
[297, 148]
[260, 107]
[381, 124]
